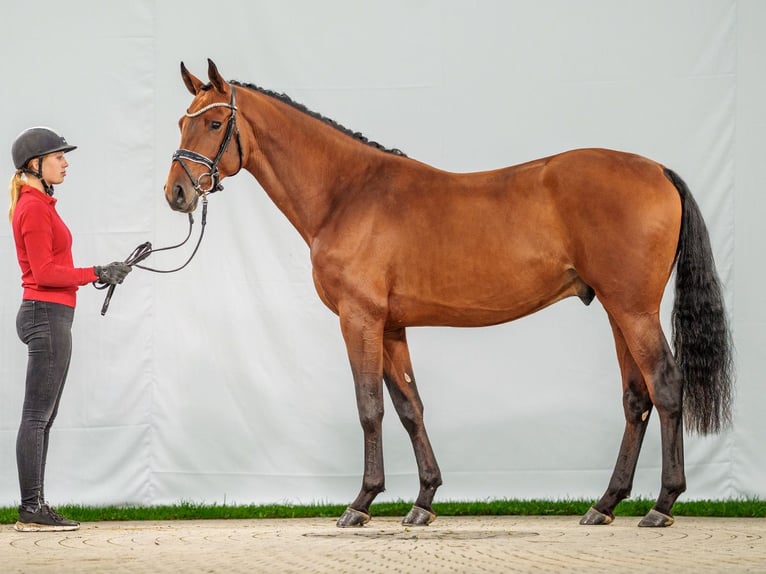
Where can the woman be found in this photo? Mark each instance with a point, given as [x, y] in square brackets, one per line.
[44, 322]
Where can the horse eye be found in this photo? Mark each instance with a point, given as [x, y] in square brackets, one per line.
[215, 125]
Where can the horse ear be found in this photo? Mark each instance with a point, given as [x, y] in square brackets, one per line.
[215, 77]
[192, 83]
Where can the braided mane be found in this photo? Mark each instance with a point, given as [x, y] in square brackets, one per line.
[301, 108]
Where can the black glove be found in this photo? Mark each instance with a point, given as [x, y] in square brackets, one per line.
[114, 273]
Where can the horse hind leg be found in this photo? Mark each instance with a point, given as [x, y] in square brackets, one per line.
[666, 390]
[400, 380]
[637, 407]
[648, 346]
[665, 386]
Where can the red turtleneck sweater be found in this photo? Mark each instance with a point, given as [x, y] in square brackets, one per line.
[44, 251]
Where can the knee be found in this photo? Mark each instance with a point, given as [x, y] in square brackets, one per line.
[37, 419]
[371, 420]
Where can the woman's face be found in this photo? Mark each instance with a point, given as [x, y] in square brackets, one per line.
[54, 167]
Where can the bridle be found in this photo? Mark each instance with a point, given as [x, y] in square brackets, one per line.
[145, 249]
[212, 165]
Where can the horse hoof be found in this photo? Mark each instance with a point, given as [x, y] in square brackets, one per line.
[352, 517]
[655, 519]
[593, 518]
[418, 517]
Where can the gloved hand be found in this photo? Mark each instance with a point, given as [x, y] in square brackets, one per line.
[114, 273]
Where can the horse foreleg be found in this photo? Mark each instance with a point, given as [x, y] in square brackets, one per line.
[400, 380]
[364, 342]
[637, 407]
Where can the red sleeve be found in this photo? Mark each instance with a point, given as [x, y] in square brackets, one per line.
[37, 233]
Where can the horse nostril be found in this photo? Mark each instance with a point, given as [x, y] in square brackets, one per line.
[178, 195]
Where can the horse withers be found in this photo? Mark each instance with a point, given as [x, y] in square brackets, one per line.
[396, 243]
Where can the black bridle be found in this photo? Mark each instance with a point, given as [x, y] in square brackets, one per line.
[212, 165]
[145, 249]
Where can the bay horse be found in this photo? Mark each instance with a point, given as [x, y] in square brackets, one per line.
[397, 243]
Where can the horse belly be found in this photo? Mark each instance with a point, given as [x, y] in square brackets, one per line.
[477, 302]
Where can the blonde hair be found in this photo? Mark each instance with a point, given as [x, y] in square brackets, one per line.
[17, 181]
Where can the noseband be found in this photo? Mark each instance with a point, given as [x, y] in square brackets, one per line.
[212, 173]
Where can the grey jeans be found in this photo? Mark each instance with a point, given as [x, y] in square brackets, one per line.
[46, 329]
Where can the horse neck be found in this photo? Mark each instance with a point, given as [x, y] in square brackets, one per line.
[303, 164]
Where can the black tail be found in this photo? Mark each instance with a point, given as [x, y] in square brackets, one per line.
[701, 337]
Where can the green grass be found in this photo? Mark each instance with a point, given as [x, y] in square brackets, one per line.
[737, 508]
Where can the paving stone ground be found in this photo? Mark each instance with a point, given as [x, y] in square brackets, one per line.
[451, 544]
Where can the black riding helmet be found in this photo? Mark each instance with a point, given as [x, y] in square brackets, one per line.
[35, 143]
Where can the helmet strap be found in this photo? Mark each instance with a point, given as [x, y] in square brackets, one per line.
[47, 188]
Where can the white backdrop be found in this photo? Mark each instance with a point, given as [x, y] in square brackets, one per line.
[228, 382]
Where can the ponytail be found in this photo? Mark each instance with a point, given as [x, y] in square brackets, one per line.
[15, 188]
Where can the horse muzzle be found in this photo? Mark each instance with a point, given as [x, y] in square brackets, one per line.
[181, 197]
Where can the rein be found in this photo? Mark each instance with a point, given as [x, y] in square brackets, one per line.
[145, 249]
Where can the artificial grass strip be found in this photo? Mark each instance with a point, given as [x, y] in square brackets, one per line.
[733, 508]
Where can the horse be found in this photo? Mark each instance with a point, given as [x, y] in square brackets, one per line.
[396, 243]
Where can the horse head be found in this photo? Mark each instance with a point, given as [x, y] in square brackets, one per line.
[210, 147]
